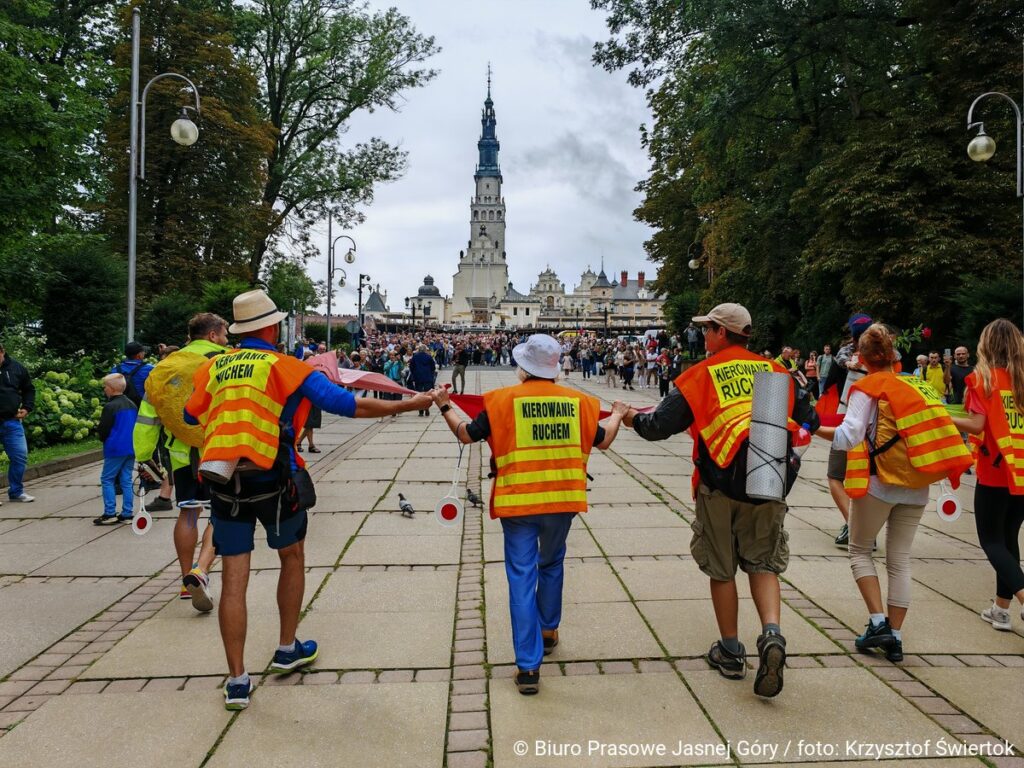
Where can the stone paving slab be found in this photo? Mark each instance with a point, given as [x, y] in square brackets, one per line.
[386, 522]
[860, 705]
[180, 641]
[31, 546]
[51, 499]
[370, 469]
[171, 730]
[118, 553]
[575, 710]
[643, 541]
[994, 697]
[388, 591]
[55, 609]
[688, 628]
[623, 516]
[968, 582]
[668, 580]
[588, 631]
[380, 640]
[348, 496]
[397, 725]
[410, 549]
[422, 496]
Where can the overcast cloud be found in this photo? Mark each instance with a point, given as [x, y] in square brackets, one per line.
[570, 150]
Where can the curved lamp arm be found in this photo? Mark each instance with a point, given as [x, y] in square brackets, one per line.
[971, 123]
[142, 114]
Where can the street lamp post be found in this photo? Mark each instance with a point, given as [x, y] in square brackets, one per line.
[982, 147]
[364, 282]
[183, 131]
[350, 257]
[414, 303]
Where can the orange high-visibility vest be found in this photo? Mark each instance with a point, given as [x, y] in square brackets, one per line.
[720, 391]
[541, 437]
[1006, 425]
[238, 399]
[924, 428]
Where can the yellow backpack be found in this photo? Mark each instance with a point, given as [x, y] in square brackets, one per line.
[169, 387]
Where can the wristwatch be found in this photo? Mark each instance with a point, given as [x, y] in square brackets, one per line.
[445, 408]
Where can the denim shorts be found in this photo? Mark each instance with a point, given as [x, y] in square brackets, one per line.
[235, 534]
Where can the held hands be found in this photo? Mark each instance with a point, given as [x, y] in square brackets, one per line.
[619, 408]
[421, 401]
[439, 396]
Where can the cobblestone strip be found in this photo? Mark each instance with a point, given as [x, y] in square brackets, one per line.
[468, 740]
[54, 671]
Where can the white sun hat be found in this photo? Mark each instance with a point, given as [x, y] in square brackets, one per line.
[538, 356]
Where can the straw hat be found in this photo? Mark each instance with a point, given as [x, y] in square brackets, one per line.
[253, 310]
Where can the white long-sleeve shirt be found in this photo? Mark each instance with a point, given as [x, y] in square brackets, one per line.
[860, 421]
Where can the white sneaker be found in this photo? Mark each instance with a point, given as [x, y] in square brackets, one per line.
[998, 617]
[24, 498]
[198, 585]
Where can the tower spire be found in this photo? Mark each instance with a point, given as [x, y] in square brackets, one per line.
[488, 144]
[488, 79]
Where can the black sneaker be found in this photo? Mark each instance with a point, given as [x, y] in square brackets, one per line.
[843, 539]
[771, 651]
[105, 520]
[880, 636]
[160, 504]
[732, 666]
[550, 642]
[895, 652]
[528, 682]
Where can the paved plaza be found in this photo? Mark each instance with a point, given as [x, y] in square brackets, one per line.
[102, 665]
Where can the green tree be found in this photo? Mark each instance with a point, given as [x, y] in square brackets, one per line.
[219, 296]
[290, 287]
[84, 304]
[320, 62]
[199, 214]
[166, 318]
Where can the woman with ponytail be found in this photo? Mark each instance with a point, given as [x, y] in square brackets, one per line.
[994, 400]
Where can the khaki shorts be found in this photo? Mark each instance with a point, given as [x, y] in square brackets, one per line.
[836, 465]
[730, 534]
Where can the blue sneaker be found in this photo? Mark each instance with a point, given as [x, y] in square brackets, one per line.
[237, 696]
[304, 653]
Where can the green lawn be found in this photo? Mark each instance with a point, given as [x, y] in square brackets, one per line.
[59, 451]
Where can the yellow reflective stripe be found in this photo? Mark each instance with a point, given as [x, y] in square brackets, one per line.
[532, 499]
[731, 437]
[230, 394]
[271, 428]
[946, 430]
[542, 476]
[729, 414]
[933, 457]
[243, 438]
[854, 464]
[921, 416]
[856, 482]
[539, 454]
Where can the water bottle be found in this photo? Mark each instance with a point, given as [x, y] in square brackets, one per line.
[802, 439]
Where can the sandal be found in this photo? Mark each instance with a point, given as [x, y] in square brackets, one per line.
[314, 449]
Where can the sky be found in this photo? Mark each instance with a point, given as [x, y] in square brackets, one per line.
[570, 151]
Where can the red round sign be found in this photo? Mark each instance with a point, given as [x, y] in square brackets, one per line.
[142, 523]
[449, 512]
[949, 507]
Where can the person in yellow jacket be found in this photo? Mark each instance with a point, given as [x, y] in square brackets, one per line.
[541, 435]
[899, 439]
[252, 402]
[208, 336]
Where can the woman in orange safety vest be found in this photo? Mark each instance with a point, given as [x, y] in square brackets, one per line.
[993, 401]
[908, 431]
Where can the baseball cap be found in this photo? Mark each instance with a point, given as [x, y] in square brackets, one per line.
[859, 323]
[132, 348]
[538, 356]
[732, 317]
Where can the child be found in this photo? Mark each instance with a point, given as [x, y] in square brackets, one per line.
[115, 430]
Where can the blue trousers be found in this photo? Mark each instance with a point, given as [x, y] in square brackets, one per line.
[117, 468]
[534, 555]
[12, 434]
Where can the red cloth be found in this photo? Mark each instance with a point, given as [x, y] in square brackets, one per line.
[828, 408]
[327, 363]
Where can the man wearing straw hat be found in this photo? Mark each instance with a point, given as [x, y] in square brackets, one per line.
[713, 400]
[252, 403]
[540, 435]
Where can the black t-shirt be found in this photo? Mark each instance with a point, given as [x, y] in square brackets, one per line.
[462, 357]
[957, 378]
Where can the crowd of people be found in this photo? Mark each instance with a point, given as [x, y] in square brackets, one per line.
[230, 442]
